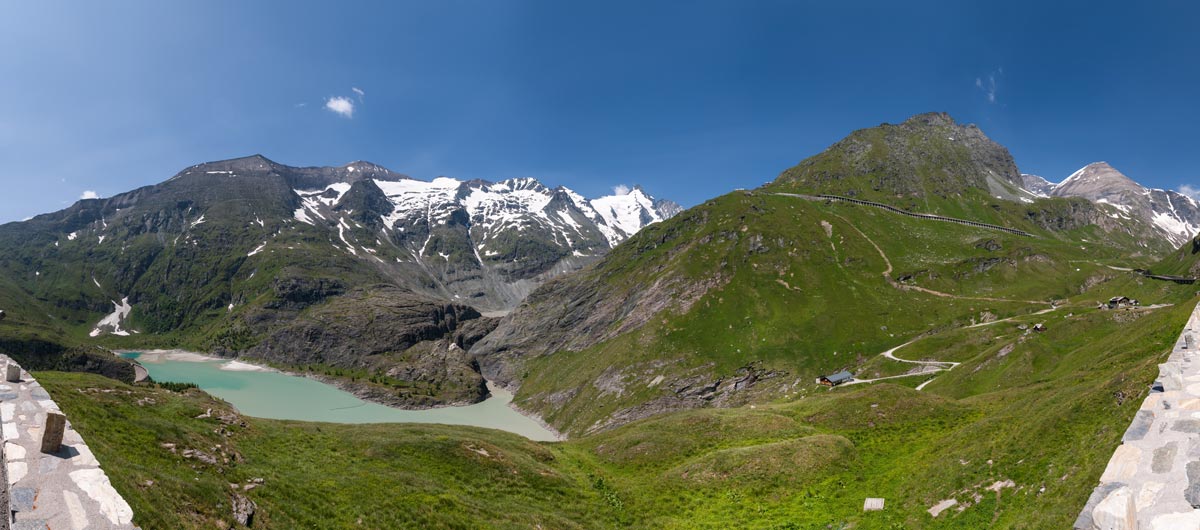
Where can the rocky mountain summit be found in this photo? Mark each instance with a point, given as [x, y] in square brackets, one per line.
[927, 155]
[1170, 215]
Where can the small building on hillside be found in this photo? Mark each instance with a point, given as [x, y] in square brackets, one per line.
[835, 379]
[1118, 302]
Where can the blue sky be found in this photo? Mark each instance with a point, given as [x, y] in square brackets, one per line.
[689, 99]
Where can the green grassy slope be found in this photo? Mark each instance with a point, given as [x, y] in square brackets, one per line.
[1046, 415]
[793, 298]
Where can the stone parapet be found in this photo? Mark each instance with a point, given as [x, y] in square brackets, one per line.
[63, 489]
[1152, 481]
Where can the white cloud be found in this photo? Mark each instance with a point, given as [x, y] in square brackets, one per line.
[89, 194]
[621, 189]
[341, 105]
[358, 91]
[988, 84]
[1190, 191]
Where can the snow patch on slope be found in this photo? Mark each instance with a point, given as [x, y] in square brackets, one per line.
[112, 322]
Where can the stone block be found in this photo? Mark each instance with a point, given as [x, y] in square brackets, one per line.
[1116, 511]
[52, 435]
[1123, 465]
[1170, 374]
[872, 504]
[12, 373]
[1148, 495]
[1164, 458]
[1187, 425]
[1084, 521]
[1192, 493]
[1140, 426]
[21, 499]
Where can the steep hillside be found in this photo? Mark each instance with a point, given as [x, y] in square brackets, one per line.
[747, 297]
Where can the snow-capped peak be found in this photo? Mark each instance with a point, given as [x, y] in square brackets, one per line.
[1175, 217]
[627, 213]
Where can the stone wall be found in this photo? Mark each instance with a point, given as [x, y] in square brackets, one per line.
[1152, 481]
[65, 489]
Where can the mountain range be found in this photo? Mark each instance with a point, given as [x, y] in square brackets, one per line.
[679, 353]
[1172, 216]
[233, 254]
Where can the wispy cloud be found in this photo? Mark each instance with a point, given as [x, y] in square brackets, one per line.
[340, 105]
[360, 93]
[1190, 191]
[621, 189]
[987, 84]
[89, 194]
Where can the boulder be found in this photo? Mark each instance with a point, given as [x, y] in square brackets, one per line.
[243, 509]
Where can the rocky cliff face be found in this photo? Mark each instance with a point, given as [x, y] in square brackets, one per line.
[403, 349]
[1170, 215]
[1037, 185]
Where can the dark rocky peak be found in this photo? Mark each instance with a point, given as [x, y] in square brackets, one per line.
[320, 177]
[359, 169]
[524, 183]
[560, 200]
[926, 155]
[244, 166]
[667, 208]
[477, 183]
[366, 202]
[931, 119]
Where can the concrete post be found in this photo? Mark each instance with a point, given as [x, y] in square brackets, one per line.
[12, 373]
[52, 435]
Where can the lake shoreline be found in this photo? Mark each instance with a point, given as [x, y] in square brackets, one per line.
[238, 369]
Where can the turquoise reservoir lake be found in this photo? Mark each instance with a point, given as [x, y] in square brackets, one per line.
[266, 393]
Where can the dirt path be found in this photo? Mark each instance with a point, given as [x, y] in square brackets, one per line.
[981, 324]
[887, 275]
